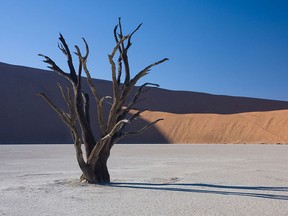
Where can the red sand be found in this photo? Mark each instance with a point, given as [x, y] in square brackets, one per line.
[252, 127]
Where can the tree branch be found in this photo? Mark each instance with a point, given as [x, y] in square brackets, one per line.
[97, 149]
[140, 91]
[70, 121]
[86, 169]
[124, 50]
[132, 118]
[129, 39]
[129, 87]
[121, 135]
[145, 71]
[65, 118]
[53, 66]
[111, 61]
[116, 128]
[119, 58]
[141, 130]
[83, 60]
[65, 49]
[86, 102]
[117, 104]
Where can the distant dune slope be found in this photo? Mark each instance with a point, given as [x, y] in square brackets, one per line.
[190, 117]
[252, 127]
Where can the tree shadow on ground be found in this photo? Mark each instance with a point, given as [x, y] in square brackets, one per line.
[245, 191]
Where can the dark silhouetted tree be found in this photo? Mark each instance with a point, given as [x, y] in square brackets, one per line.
[94, 163]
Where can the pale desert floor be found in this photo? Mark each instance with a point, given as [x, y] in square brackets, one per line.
[147, 180]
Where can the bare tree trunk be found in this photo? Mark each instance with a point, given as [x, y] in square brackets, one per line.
[100, 170]
[98, 174]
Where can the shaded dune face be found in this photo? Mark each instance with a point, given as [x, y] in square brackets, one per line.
[184, 102]
[26, 118]
[190, 117]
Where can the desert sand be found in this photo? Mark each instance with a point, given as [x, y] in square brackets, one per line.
[147, 180]
[250, 127]
[190, 117]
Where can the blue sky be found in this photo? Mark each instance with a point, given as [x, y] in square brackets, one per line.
[230, 47]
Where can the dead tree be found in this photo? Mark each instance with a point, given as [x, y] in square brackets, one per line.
[94, 163]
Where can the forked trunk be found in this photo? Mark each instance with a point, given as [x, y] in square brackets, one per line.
[98, 174]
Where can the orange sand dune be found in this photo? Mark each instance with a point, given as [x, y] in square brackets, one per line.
[252, 127]
[190, 117]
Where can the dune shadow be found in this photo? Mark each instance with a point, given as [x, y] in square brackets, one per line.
[227, 190]
[26, 118]
[184, 102]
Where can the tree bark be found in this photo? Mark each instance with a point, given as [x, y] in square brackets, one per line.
[101, 173]
[97, 173]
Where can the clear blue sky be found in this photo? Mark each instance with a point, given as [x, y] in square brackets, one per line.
[231, 47]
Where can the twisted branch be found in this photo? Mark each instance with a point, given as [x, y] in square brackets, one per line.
[83, 60]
